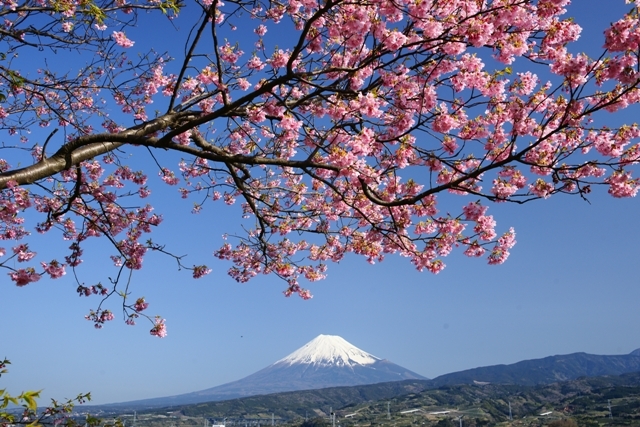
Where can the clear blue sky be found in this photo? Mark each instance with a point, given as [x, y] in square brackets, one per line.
[570, 285]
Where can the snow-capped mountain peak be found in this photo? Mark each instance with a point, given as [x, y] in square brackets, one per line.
[328, 350]
[326, 361]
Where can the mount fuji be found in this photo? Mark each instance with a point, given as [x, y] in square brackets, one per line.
[325, 361]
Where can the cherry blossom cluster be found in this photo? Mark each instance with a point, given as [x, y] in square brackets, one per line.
[159, 329]
[99, 317]
[92, 290]
[344, 142]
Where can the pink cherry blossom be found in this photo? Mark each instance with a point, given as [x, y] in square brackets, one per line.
[346, 137]
[200, 271]
[54, 269]
[121, 39]
[23, 276]
[159, 329]
[140, 305]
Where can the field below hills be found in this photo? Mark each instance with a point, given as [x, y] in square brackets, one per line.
[414, 403]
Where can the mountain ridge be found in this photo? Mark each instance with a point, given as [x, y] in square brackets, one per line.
[546, 370]
[585, 397]
[283, 376]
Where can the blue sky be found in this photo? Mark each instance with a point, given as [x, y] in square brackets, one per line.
[570, 285]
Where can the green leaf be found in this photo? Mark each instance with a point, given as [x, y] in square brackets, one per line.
[29, 398]
[6, 417]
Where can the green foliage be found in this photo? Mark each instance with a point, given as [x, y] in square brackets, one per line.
[95, 12]
[291, 405]
[563, 423]
[16, 80]
[56, 414]
[445, 422]
[315, 422]
[170, 6]
[582, 401]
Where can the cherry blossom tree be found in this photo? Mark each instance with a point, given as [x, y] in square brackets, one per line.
[341, 142]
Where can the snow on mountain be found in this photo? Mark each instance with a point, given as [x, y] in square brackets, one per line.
[329, 350]
[330, 361]
[325, 361]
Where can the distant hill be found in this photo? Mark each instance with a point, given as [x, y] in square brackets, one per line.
[298, 403]
[412, 402]
[330, 361]
[546, 370]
